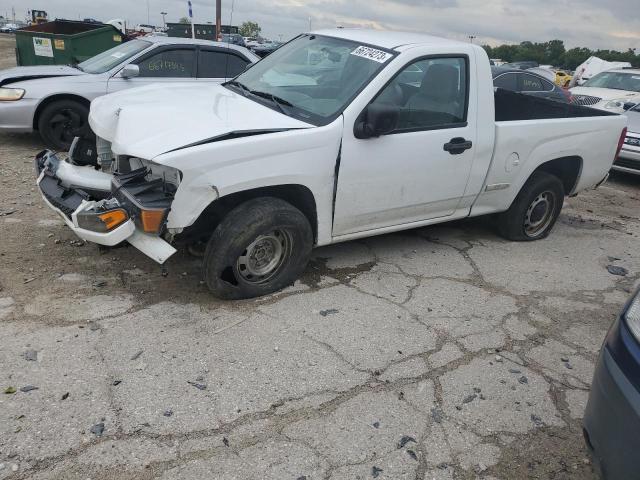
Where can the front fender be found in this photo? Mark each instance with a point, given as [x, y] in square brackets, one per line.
[211, 171]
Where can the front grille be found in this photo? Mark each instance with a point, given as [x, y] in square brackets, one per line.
[59, 205]
[627, 163]
[632, 141]
[585, 100]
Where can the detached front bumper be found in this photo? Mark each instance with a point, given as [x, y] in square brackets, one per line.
[72, 191]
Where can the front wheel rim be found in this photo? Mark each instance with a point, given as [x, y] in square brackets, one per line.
[265, 257]
[539, 214]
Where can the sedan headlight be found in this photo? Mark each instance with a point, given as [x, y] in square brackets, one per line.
[619, 104]
[11, 94]
[633, 316]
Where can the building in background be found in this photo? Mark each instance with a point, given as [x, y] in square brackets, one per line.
[205, 31]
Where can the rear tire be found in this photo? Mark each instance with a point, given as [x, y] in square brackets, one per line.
[61, 121]
[535, 210]
[261, 246]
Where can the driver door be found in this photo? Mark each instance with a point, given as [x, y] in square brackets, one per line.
[414, 173]
[167, 64]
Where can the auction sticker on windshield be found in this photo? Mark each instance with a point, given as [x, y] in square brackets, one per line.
[371, 54]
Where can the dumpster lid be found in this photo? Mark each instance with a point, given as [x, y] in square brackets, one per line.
[64, 27]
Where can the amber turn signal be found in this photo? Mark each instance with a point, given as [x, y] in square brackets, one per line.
[152, 220]
[113, 218]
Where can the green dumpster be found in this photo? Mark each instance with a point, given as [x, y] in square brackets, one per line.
[64, 42]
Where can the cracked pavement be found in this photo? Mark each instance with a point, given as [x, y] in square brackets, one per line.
[438, 353]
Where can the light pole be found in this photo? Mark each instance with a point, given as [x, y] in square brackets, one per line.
[164, 22]
[471, 37]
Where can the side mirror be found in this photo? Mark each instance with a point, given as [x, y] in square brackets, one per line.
[376, 120]
[249, 65]
[130, 71]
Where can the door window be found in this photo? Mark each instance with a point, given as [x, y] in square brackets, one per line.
[217, 64]
[508, 81]
[176, 63]
[529, 83]
[430, 93]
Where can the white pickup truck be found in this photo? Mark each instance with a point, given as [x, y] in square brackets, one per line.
[339, 134]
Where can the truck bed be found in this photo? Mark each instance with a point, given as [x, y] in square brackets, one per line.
[512, 106]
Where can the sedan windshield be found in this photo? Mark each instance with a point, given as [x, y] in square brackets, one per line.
[615, 80]
[105, 61]
[312, 77]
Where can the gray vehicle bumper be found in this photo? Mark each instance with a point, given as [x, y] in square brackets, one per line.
[628, 161]
[18, 116]
[612, 421]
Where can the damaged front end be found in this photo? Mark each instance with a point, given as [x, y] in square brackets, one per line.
[129, 202]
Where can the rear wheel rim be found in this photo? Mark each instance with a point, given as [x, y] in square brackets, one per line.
[264, 258]
[539, 214]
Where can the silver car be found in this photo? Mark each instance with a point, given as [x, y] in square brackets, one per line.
[629, 158]
[54, 100]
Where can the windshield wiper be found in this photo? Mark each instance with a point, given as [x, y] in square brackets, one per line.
[277, 101]
[241, 86]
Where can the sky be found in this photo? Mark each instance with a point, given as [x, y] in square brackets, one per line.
[597, 24]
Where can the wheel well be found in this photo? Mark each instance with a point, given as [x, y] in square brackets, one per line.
[55, 98]
[297, 195]
[567, 169]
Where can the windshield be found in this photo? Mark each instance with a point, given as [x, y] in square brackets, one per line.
[312, 77]
[615, 80]
[105, 61]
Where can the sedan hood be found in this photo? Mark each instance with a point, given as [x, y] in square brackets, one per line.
[604, 93]
[19, 74]
[149, 121]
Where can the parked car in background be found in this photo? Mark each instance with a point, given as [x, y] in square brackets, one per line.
[9, 28]
[613, 90]
[332, 137]
[54, 100]
[264, 49]
[562, 78]
[233, 38]
[144, 28]
[628, 160]
[521, 65]
[522, 81]
[612, 416]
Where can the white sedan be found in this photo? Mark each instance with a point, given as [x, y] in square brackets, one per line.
[54, 100]
[613, 90]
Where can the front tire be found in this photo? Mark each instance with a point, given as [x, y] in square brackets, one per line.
[260, 247]
[61, 121]
[535, 210]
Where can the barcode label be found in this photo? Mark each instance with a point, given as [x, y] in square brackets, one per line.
[371, 54]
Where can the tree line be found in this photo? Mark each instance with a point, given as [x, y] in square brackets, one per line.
[554, 53]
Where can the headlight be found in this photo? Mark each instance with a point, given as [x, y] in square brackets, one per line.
[102, 221]
[618, 104]
[633, 316]
[11, 94]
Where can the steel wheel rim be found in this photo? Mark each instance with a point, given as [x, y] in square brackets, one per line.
[264, 257]
[65, 125]
[539, 214]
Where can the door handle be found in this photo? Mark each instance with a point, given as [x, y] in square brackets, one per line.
[457, 145]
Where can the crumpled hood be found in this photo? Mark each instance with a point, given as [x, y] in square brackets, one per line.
[604, 93]
[17, 74]
[148, 121]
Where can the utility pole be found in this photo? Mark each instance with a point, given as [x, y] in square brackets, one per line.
[218, 20]
[471, 37]
[193, 30]
[164, 22]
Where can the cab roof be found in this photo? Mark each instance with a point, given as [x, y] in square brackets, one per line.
[386, 39]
